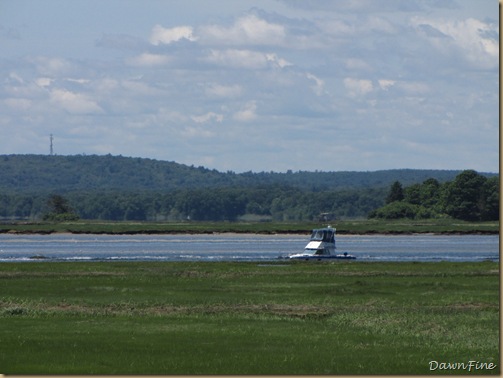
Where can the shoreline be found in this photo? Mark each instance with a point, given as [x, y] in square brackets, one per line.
[343, 227]
[265, 233]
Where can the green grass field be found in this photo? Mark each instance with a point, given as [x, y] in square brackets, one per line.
[247, 318]
[343, 227]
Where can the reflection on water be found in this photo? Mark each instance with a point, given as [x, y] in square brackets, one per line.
[221, 247]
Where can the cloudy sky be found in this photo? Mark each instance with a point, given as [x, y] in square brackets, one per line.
[260, 85]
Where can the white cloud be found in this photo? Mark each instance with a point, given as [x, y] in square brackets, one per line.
[78, 81]
[166, 36]
[15, 78]
[149, 60]
[319, 86]
[208, 117]
[106, 85]
[358, 87]
[74, 103]
[385, 84]
[476, 41]
[280, 62]
[247, 113]
[224, 91]
[44, 81]
[246, 30]
[247, 59]
[21, 88]
[237, 58]
[51, 66]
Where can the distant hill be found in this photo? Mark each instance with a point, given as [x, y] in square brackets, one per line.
[123, 188]
[43, 173]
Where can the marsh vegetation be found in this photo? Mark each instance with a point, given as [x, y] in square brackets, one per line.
[246, 318]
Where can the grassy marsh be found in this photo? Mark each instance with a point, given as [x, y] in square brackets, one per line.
[343, 227]
[246, 318]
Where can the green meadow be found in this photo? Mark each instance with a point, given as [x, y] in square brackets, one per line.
[368, 226]
[248, 318]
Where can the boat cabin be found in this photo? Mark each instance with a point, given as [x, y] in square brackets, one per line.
[322, 242]
[326, 235]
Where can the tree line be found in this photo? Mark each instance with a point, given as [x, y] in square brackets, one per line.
[470, 196]
[273, 202]
[39, 173]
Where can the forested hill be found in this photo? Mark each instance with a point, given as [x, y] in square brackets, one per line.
[42, 173]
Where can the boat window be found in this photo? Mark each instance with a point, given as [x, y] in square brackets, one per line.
[328, 236]
[317, 235]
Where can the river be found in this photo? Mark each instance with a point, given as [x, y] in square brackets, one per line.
[241, 247]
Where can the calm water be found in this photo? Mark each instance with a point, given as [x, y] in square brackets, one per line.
[220, 247]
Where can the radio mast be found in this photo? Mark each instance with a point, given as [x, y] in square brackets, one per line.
[52, 151]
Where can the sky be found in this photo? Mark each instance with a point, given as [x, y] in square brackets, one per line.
[254, 85]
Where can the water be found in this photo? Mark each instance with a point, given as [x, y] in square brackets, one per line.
[231, 247]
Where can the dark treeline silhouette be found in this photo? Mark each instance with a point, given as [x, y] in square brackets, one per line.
[122, 188]
[470, 197]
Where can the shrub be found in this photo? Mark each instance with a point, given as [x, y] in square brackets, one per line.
[65, 217]
[397, 210]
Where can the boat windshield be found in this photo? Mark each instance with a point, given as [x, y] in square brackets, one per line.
[323, 235]
[317, 252]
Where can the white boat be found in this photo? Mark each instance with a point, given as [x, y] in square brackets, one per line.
[321, 246]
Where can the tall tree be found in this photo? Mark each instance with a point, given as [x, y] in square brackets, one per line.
[491, 199]
[59, 209]
[395, 192]
[464, 197]
[430, 192]
[58, 204]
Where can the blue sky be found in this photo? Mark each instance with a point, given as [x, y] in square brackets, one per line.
[263, 85]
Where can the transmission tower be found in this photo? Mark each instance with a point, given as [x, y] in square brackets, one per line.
[52, 150]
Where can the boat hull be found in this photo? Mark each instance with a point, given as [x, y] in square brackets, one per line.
[320, 258]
